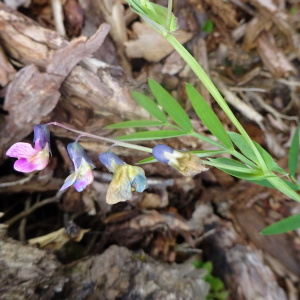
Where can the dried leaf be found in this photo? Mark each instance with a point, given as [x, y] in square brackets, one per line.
[150, 44]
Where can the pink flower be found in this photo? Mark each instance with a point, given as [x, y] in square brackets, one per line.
[83, 174]
[30, 159]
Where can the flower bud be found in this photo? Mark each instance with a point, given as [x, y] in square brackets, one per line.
[41, 137]
[188, 164]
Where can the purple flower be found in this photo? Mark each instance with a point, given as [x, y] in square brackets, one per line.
[188, 164]
[126, 178]
[83, 174]
[29, 158]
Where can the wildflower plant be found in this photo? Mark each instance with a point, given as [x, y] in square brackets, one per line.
[252, 162]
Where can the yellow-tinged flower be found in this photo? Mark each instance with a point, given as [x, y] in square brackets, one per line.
[126, 178]
[188, 164]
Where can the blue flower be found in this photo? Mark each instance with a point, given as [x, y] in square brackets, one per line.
[188, 164]
[126, 178]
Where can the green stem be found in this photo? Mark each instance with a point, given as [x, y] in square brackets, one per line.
[215, 93]
[170, 4]
[208, 140]
[117, 143]
[174, 126]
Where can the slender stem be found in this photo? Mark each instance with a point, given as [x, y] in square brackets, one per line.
[78, 138]
[117, 143]
[170, 4]
[208, 140]
[215, 93]
[174, 126]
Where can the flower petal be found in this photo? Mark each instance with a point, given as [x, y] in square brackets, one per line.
[41, 159]
[119, 189]
[23, 165]
[83, 180]
[70, 180]
[24, 150]
[139, 183]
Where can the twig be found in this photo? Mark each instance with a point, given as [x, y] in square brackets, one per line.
[245, 89]
[22, 226]
[269, 108]
[17, 182]
[58, 17]
[288, 82]
[37, 205]
[230, 97]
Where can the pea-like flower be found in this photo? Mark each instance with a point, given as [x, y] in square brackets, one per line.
[188, 164]
[29, 158]
[83, 174]
[126, 178]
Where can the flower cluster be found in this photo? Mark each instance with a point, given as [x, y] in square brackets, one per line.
[126, 178]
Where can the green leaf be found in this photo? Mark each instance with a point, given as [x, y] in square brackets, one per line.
[208, 266]
[237, 169]
[197, 264]
[216, 284]
[208, 153]
[231, 164]
[151, 135]
[285, 225]
[242, 144]
[221, 295]
[207, 116]
[294, 153]
[284, 188]
[208, 26]
[269, 160]
[150, 106]
[266, 183]
[147, 160]
[171, 106]
[130, 124]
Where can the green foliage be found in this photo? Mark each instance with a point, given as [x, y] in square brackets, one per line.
[150, 106]
[155, 15]
[287, 224]
[171, 106]
[294, 153]
[208, 117]
[208, 26]
[150, 135]
[216, 291]
[131, 124]
[266, 183]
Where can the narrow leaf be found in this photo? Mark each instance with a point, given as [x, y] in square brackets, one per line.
[130, 124]
[269, 160]
[242, 144]
[147, 160]
[294, 153]
[207, 116]
[284, 188]
[150, 106]
[208, 153]
[231, 164]
[171, 106]
[285, 225]
[266, 183]
[151, 135]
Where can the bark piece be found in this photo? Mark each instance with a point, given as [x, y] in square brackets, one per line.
[240, 267]
[119, 273]
[7, 72]
[150, 44]
[33, 94]
[273, 58]
[28, 273]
